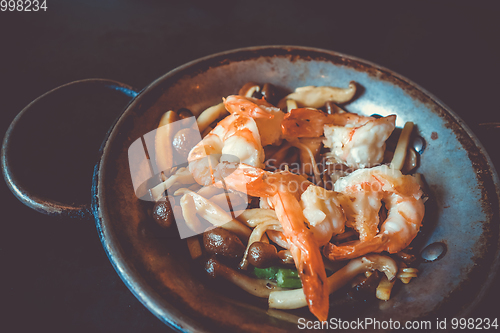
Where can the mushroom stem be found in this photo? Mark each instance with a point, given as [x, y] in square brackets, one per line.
[163, 140]
[182, 176]
[399, 157]
[257, 287]
[248, 89]
[254, 217]
[213, 213]
[210, 115]
[294, 299]
[256, 235]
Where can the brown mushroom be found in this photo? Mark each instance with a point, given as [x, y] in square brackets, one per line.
[294, 299]
[257, 287]
[411, 161]
[269, 93]
[184, 140]
[163, 214]
[262, 255]
[222, 242]
[184, 113]
[367, 285]
[286, 257]
[249, 89]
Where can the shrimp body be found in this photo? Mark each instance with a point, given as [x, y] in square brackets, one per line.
[267, 117]
[363, 191]
[359, 146]
[251, 107]
[322, 211]
[284, 199]
[236, 138]
[354, 140]
[309, 122]
[240, 137]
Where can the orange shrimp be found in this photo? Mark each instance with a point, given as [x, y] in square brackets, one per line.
[283, 191]
[236, 136]
[354, 140]
[248, 106]
[267, 117]
[309, 122]
[363, 190]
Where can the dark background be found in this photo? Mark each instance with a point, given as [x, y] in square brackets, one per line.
[54, 273]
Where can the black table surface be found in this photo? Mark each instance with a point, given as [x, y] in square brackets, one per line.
[54, 272]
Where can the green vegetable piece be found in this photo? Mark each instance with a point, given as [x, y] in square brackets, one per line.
[288, 278]
[268, 273]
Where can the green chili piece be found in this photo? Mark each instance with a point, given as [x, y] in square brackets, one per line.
[268, 273]
[288, 278]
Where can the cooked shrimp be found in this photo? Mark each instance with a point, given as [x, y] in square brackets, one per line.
[267, 117]
[322, 211]
[251, 125]
[235, 138]
[359, 146]
[248, 106]
[363, 191]
[356, 141]
[309, 122]
[283, 191]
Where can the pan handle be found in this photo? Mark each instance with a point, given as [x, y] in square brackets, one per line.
[26, 130]
[490, 126]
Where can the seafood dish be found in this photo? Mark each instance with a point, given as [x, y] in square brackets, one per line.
[291, 197]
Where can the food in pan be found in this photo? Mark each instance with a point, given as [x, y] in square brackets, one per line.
[316, 198]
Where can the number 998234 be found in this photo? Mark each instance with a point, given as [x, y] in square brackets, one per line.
[23, 5]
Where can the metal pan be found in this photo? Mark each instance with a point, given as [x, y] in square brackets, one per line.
[463, 213]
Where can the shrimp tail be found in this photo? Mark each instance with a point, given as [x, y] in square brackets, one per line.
[354, 249]
[306, 254]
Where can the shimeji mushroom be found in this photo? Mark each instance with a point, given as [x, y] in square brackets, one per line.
[257, 233]
[249, 89]
[294, 299]
[210, 115]
[163, 141]
[257, 287]
[192, 203]
[316, 97]
[181, 176]
[398, 160]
